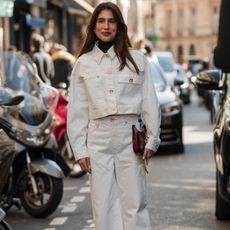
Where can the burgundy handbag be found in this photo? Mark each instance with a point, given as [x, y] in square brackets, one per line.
[139, 140]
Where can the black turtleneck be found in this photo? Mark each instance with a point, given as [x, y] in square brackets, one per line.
[104, 46]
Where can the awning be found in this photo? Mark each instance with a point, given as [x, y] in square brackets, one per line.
[35, 22]
[40, 3]
[78, 7]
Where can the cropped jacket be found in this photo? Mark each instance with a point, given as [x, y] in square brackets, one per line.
[99, 89]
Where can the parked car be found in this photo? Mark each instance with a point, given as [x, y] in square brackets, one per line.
[215, 80]
[171, 110]
[184, 88]
[166, 60]
[216, 96]
[197, 63]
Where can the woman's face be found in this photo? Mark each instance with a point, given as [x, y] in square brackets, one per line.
[106, 26]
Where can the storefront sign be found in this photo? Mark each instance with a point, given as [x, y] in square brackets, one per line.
[6, 8]
[35, 22]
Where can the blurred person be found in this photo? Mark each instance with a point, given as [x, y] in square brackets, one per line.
[144, 45]
[41, 58]
[12, 48]
[111, 88]
[63, 64]
[137, 43]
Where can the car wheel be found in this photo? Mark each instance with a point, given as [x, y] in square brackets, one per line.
[222, 206]
[180, 146]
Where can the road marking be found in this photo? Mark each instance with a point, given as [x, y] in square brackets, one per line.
[68, 209]
[198, 180]
[84, 190]
[89, 221]
[67, 205]
[194, 138]
[69, 188]
[88, 227]
[58, 221]
[176, 227]
[91, 225]
[77, 199]
[182, 187]
[50, 229]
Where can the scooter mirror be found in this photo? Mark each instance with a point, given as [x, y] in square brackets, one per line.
[7, 98]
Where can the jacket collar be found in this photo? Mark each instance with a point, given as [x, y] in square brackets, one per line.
[97, 54]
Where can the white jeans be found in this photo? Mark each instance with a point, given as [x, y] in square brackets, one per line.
[118, 180]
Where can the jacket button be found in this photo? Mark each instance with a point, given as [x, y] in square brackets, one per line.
[130, 80]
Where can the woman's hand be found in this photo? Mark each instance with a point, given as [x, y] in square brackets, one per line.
[85, 164]
[147, 154]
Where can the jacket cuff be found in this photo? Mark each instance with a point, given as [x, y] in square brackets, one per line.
[80, 153]
[153, 144]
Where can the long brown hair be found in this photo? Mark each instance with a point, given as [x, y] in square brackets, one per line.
[121, 41]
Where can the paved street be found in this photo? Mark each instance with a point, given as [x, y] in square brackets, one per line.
[181, 187]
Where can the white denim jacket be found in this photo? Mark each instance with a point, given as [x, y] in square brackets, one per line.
[99, 89]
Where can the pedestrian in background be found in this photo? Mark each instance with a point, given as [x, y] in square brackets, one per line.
[41, 58]
[63, 64]
[111, 86]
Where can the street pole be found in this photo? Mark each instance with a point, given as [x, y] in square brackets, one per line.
[6, 10]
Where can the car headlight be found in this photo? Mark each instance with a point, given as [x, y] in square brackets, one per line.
[170, 108]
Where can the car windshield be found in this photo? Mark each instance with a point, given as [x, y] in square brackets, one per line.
[157, 75]
[166, 63]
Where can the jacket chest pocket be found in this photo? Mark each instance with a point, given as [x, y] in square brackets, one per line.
[129, 84]
[94, 85]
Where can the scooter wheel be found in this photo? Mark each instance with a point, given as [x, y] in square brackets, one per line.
[48, 197]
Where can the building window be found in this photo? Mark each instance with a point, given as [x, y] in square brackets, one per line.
[169, 26]
[192, 50]
[193, 21]
[180, 54]
[180, 22]
[215, 20]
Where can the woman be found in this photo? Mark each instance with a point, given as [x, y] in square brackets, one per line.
[111, 86]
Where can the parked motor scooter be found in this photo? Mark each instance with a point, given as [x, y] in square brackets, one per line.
[60, 132]
[7, 152]
[3, 224]
[37, 171]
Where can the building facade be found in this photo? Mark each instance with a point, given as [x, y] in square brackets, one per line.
[59, 21]
[186, 27]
